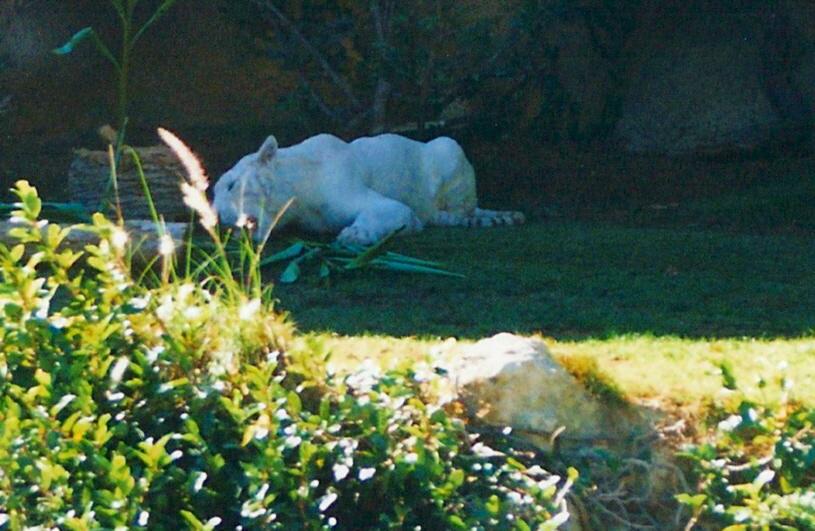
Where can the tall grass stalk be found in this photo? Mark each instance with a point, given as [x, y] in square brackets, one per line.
[217, 267]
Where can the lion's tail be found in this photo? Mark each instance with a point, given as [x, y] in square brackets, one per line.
[479, 218]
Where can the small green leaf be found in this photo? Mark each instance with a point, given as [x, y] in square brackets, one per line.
[292, 251]
[295, 405]
[366, 256]
[493, 505]
[411, 268]
[691, 501]
[74, 41]
[291, 273]
[457, 477]
[17, 253]
[194, 523]
[325, 271]
[456, 522]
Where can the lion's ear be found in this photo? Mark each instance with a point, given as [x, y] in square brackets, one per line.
[268, 149]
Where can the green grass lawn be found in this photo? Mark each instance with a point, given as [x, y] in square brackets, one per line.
[658, 308]
[575, 281]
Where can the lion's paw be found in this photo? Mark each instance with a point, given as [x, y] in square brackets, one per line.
[356, 235]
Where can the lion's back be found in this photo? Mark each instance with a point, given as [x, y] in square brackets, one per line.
[413, 172]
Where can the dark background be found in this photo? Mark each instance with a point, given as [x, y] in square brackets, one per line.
[559, 103]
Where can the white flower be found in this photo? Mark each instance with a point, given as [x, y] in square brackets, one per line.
[199, 481]
[763, 478]
[411, 458]
[192, 313]
[144, 516]
[166, 245]
[482, 450]
[64, 401]
[118, 370]
[153, 353]
[366, 473]
[249, 309]
[114, 397]
[261, 493]
[730, 423]
[327, 500]
[340, 472]
[261, 432]
[559, 519]
[58, 321]
[119, 238]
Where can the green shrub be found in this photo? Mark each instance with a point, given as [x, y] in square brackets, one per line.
[757, 469]
[185, 405]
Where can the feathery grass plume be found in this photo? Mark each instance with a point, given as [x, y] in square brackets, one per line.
[195, 172]
[194, 191]
[196, 199]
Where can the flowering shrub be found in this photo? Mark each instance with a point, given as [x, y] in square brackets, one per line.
[757, 469]
[185, 405]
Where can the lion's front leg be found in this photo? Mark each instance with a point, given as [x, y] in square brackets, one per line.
[377, 218]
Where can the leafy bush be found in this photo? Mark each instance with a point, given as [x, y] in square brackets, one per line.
[185, 404]
[757, 469]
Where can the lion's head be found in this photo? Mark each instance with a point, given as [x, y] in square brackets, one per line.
[248, 194]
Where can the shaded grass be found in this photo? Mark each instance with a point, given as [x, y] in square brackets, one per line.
[575, 281]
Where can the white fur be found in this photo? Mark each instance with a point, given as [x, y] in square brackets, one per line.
[362, 190]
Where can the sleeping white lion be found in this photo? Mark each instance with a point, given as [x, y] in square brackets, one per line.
[362, 190]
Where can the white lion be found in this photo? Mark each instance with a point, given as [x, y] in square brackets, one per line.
[363, 190]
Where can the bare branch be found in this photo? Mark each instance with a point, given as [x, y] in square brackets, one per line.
[335, 77]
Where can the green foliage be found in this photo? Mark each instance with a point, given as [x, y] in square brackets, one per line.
[131, 33]
[336, 257]
[65, 212]
[184, 405]
[757, 469]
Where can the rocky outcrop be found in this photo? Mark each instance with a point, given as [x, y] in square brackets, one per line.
[701, 78]
[512, 381]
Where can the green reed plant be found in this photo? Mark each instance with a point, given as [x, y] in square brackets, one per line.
[131, 32]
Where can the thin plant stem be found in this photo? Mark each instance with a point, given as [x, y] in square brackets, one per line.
[114, 180]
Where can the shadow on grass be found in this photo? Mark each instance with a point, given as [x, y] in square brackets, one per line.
[575, 281]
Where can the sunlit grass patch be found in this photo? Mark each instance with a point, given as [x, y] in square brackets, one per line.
[673, 372]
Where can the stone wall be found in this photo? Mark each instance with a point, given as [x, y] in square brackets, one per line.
[706, 76]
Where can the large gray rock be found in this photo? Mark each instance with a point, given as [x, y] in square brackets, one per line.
[697, 83]
[508, 380]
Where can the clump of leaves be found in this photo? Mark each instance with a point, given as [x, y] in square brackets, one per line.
[184, 405]
[342, 258]
[58, 211]
[757, 470]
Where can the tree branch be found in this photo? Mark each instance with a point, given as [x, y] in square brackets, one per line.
[341, 83]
